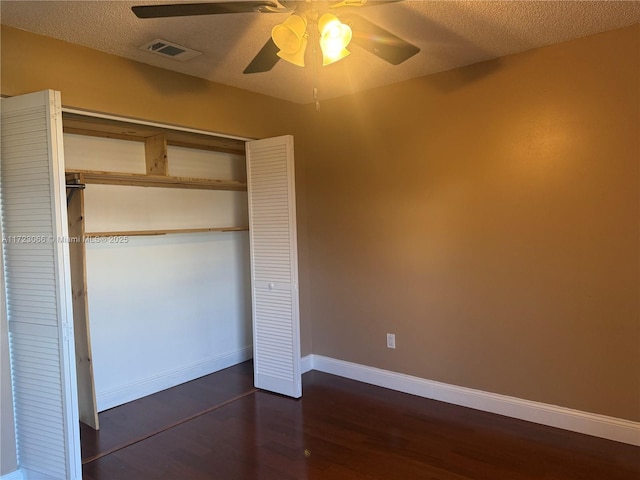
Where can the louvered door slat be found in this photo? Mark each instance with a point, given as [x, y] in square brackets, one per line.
[274, 265]
[38, 292]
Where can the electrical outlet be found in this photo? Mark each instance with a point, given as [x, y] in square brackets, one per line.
[391, 340]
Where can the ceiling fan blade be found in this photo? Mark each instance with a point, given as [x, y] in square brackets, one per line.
[379, 41]
[265, 60]
[211, 8]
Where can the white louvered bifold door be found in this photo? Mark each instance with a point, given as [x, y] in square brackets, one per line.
[38, 288]
[274, 265]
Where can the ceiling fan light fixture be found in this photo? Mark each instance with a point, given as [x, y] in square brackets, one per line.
[334, 57]
[290, 38]
[334, 38]
[297, 58]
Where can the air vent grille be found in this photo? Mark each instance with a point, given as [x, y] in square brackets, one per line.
[170, 50]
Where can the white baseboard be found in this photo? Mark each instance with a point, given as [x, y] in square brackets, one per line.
[597, 425]
[15, 475]
[306, 363]
[164, 380]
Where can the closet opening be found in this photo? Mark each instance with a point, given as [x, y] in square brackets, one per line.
[160, 275]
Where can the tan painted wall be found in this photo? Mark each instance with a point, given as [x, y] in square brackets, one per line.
[92, 80]
[97, 81]
[489, 217]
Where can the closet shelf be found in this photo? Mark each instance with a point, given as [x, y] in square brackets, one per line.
[79, 124]
[145, 180]
[139, 233]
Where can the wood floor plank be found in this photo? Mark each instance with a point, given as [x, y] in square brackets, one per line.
[134, 421]
[345, 430]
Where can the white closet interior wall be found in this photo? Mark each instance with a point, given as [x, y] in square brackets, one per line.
[163, 309]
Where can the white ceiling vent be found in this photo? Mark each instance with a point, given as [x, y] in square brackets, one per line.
[170, 50]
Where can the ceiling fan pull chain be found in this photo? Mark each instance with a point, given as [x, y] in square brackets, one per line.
[316, 60]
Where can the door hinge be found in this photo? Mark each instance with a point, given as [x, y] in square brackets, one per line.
[67, 331]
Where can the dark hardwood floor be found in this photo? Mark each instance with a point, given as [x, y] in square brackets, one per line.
[339, 430]
[135, 421]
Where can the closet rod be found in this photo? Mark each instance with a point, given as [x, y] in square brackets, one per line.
[74, 187]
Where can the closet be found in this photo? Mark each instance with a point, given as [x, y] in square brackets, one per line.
[157, 255]
[160, 282]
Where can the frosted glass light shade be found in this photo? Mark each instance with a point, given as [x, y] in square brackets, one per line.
[290, 38]
[334, 38]
[297, 58]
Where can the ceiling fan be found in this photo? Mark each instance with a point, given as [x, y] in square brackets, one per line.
[309, 20]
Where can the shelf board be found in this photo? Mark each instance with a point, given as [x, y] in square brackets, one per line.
[123, 130]
[140, 233]
[144, 180]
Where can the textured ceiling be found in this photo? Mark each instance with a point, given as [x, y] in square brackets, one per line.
[449, 33]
